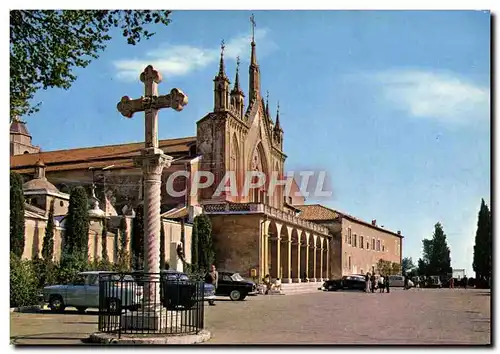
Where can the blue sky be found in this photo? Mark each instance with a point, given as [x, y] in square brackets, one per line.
[394, 105]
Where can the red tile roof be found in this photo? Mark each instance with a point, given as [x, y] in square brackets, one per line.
[317, 212]
[99, 156]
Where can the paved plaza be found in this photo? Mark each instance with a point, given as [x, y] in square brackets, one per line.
[417, 316]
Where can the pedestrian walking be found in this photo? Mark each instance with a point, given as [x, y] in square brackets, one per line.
[367, 281]
[387, 284]
[373, 283]
[452, 283]
[465, 282]
[212, 278]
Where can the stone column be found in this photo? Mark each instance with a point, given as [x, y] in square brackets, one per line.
[152, 161]
[297, 260]
[321, 272]
[264, 268]
[278, 251]
[287, 277]
[327, 259]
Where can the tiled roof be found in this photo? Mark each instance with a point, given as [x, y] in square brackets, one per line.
[41, 184]
[176, 213]
[18, 127]
[317, 212]
[98, 156]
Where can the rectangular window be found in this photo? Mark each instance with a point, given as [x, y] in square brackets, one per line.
[373, 244]
[355, 240]
[361, 242]
[367, 245]
[378, 245]
[383, 248]
[349, 263]
[349, 239]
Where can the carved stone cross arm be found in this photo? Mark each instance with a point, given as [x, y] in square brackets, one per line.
[176, 99]
[151, 103]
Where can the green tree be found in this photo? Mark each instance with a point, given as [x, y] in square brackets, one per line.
[123, 263]
[162, 246]
[48, 239]
[138, 238]
[104, 241]
[436, 254]
[206, 253]
[23, 282]
[482, 248]
[384, 267]
[76, 233]
[46, 45]
[16, 214]
[407, 265]
[194, 246]
[395, 268]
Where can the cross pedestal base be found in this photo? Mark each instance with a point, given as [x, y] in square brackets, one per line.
[153, 320]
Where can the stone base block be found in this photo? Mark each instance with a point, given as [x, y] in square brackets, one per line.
[152, 320]
[106, 338]
[296, 280]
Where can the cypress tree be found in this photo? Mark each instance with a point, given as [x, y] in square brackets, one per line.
[104, 241]
[440, 261]
[206, 252]
[482, 247]
[16, 214]
[162, 247]
[194, 245]
[48, 239]
[138, 238]
[77, 225]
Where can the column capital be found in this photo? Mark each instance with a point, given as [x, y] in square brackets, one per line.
[153, 161]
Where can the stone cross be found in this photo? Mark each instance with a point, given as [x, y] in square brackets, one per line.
[151, 103]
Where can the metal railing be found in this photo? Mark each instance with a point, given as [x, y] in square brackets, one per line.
[149, 303]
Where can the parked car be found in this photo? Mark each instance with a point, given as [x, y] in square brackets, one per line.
[235, 286]
[433, 282]
[398, 281]
[181, 291]
[84, 293]
[176, 289]
[347, 282]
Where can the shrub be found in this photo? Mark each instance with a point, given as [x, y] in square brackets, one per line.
[23, 282]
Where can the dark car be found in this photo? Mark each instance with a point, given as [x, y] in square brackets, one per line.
[176, 289]
[347, 282]
[233, 285]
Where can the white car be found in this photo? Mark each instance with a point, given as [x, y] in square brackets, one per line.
[398, 281]
[84, 293]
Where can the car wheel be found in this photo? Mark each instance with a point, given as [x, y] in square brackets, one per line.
[114, 306]
[56, 303]
[81, 309]
[243, 296]
[235, 295]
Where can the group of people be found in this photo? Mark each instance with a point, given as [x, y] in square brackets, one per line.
[372, 284]
[269, 285]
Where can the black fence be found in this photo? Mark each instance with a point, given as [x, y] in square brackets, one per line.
[140, 303]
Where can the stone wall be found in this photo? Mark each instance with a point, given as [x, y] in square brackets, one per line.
[364, 258]
[35, 232]
[236, 242]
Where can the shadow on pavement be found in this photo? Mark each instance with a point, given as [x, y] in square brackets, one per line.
[70, 312]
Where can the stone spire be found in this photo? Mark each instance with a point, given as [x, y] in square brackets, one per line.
[277, 127]
[237, 95]
[267, 106]
[254, 82]
[221, 85]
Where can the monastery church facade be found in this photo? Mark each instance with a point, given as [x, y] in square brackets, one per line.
[255, 234]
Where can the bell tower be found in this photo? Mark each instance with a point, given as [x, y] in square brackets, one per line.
[221, 86]
[20, 139]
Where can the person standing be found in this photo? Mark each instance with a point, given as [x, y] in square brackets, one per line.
[381, 285]
[212, 278]
[465, 282]
[367, 281]
[373, 282]
[387, 285]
